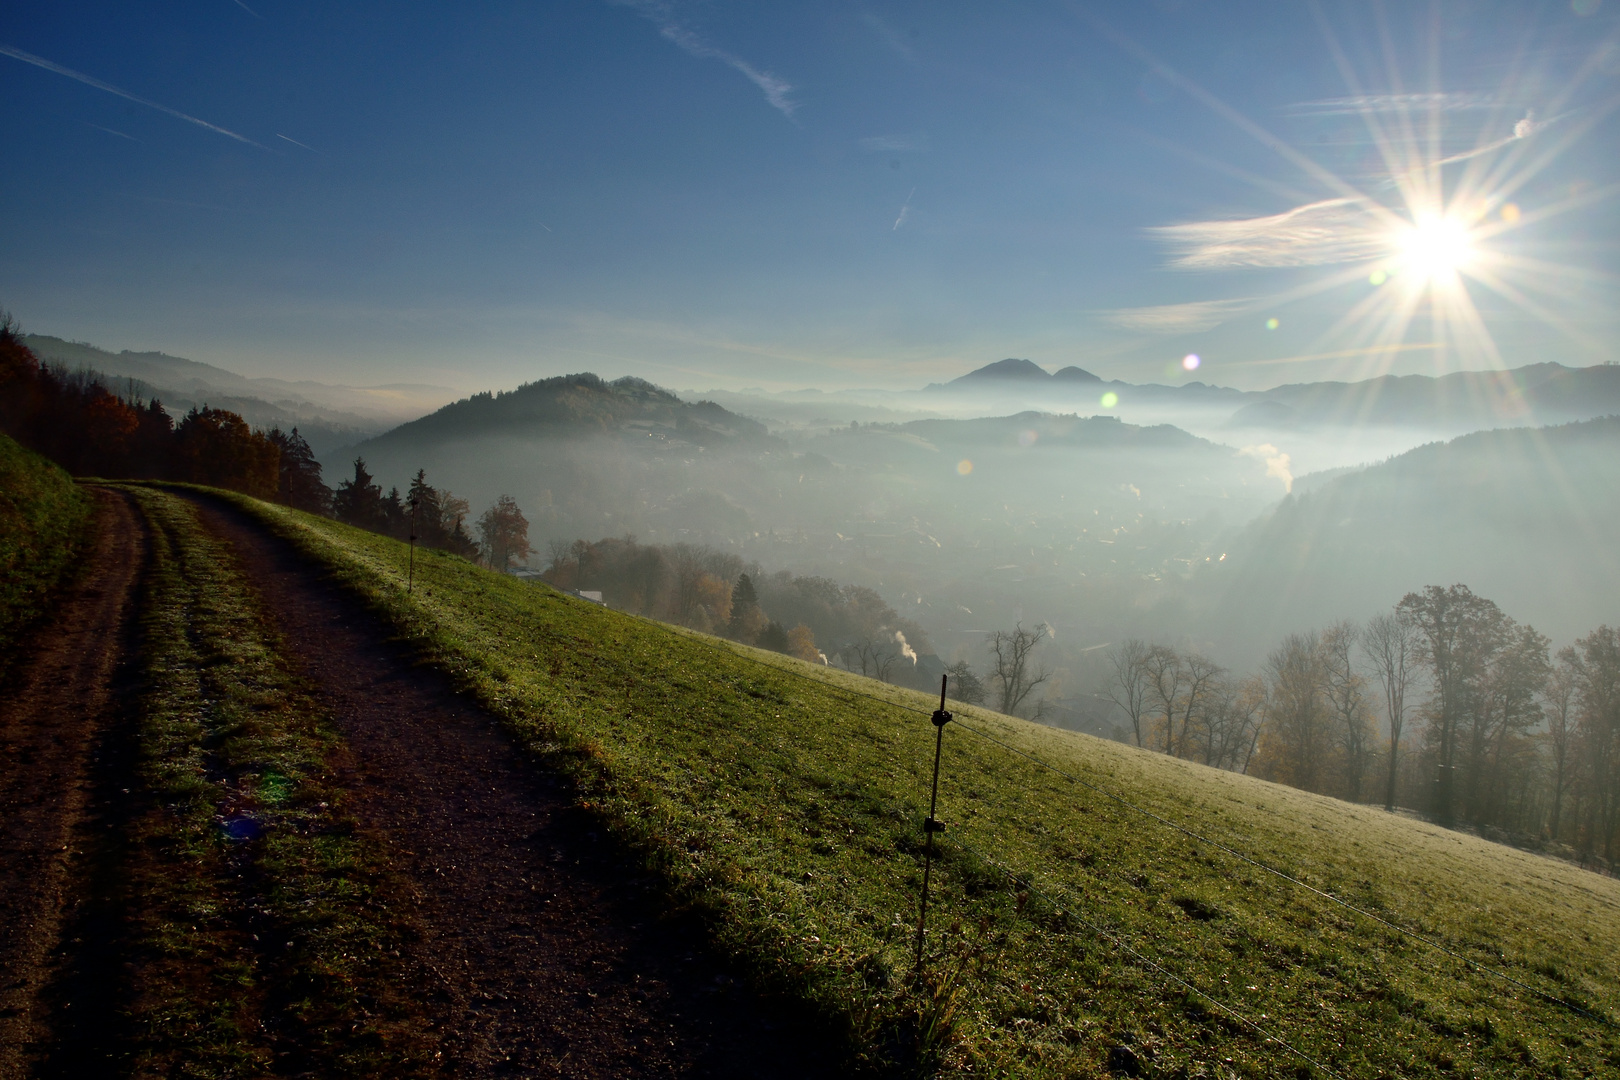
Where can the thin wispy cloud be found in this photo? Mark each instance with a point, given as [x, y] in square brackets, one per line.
[109, 131]
[1316, 234]
[1365, 104]
[40, 62]
[895, 144]
[905, 212]
[890, 37]
[1177, 318]
[689, 41]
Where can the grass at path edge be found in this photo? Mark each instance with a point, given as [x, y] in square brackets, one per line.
[260, 941]
[788, 813]
[44, 526]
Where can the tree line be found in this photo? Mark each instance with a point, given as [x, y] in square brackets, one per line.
[78, 421]
[1444, 704]
[718, 592]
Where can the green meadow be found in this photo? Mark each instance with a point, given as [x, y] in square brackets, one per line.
[43, 521]
[1074, 930]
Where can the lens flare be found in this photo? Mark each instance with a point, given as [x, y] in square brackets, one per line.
[1109, 400]
[1190, 362]
[1428, 219]
[964, 467]
[1435, 246]
[1272, 324]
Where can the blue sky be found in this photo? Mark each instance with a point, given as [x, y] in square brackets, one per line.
[828, 194]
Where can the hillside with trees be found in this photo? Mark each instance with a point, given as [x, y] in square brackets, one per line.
[1524, 515]
[716, 592]
[1444, 705]
[76, 420]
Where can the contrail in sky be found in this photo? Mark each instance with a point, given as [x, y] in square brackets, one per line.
[295, 142]
[109, 131]
[249, 10]
[905, 212]
[30, 58]
[775, 89]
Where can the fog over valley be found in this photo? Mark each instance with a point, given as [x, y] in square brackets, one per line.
[654, 538]
[1100, 528]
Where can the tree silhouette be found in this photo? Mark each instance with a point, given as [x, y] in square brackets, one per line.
[503, 534]
[1391, 642]
[299, 484]
[358, 501]
[1014, 675]
[746, 622]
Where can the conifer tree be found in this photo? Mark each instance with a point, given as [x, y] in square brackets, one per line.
[359, 501]
[300, 482]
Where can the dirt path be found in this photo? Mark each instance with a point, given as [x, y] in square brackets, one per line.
[53, 716]
[542, 953]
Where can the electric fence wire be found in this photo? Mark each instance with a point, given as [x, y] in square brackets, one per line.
[1257, 864]
[1136, 954]
[1473, 965]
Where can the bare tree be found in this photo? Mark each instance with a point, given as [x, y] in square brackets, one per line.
[1201, 675]
[1128, 687]
[1391, 644]
[1164, 674]
[1014, 676]
[1457, 633]
[690, 566]
[1558, 703]
[557, 553]
[876, 651]
[1344, 689]
[1298, 737]
[965, 686]
[1232, 722]
[1596, 659]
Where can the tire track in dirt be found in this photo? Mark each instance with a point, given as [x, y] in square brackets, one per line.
[54, 713]
[542, 951]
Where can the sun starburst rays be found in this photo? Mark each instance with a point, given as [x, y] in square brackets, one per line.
[1435, 232]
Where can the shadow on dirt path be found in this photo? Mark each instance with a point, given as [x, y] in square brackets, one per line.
[56, 715]
[541, 950]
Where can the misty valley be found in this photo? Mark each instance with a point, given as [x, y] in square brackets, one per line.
[659, 539]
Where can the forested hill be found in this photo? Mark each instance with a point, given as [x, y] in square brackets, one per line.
[1536, 393]
[572, 406]
[1524, 516]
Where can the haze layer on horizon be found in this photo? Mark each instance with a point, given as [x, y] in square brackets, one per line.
[799, 195]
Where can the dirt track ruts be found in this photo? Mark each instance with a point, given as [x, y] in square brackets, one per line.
[542, 951]
[54, 712]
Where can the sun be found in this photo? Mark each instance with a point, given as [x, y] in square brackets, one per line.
[1434, 246]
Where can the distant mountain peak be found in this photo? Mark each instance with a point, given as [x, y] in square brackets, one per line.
[1013, 369]
[577, 404]
[1010, 368]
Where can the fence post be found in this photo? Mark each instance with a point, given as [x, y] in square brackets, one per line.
[932, 825]
[410, 573]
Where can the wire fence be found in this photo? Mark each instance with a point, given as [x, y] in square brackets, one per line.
[1203, 838]
[851, 696]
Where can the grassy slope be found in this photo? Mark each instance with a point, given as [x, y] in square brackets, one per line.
[789, 810]
[44, 518]
[259, 939]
